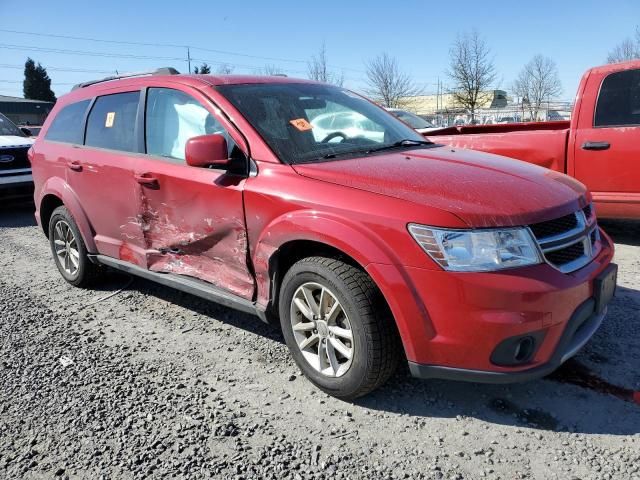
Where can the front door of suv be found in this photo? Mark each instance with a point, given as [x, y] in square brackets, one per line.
[192, 218]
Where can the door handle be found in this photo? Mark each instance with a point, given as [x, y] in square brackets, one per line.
[147, 180]
[75, 166]
[596, 146]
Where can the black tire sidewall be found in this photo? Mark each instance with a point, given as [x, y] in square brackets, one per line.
[61, 213]
[350, 383]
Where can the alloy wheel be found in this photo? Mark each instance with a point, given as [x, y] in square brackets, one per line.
[322, 329]
[66, 247]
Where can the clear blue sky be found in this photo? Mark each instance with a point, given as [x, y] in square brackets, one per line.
[576, 34]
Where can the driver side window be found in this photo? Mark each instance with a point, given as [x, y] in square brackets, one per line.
[172, 118]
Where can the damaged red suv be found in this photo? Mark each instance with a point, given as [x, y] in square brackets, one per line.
[307, 203]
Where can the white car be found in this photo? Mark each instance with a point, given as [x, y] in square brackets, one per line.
[15, 170]
[419, 124]
[336, 126]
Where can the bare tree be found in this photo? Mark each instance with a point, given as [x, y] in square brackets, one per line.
[319, 70]
[387, 84]
[471, 70]
[538, 82]
[271, 70]
[628, 49]
[224, 69]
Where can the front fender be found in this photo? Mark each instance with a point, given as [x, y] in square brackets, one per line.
[353, 239]
[60, 188]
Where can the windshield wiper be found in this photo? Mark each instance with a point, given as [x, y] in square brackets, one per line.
[401, 143]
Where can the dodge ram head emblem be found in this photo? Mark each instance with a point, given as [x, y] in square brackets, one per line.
[6, 158]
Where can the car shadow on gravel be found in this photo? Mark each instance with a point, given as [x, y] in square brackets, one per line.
[596, 392]
[622, 231]
[17, 214]
[229, 316]
[574, 399]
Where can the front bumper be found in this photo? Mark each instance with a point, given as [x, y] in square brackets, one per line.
[452, 323]
[15, 178]
[581, 326]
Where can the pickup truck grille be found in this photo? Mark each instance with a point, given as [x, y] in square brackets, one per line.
[569, 243]
[14, 157]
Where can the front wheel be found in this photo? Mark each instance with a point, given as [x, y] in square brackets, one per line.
[338, 327]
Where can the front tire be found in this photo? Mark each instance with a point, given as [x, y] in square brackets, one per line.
[69, 250]
[338, 327]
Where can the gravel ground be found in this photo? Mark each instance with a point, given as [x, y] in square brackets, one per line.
[151, 382]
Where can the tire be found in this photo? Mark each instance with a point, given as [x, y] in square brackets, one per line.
[363, 327]
[71, 256]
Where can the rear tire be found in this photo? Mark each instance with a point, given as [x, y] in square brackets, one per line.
[69, 251]
[346, 354]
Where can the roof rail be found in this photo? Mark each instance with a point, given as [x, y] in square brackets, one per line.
[157, 71]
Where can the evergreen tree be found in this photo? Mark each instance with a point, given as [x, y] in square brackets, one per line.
[203, 69]
[37, 84]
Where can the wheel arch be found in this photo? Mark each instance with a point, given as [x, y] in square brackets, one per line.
[57, 192]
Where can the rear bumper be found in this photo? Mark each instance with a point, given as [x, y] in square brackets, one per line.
[580, 328]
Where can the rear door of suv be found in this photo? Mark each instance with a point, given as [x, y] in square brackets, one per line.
[192, 218]
[100, 173]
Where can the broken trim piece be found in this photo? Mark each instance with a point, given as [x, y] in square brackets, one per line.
[186, 284]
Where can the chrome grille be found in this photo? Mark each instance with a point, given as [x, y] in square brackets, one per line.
[554, 227]
[569, 243]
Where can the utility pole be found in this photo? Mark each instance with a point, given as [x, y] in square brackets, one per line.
[189, 60]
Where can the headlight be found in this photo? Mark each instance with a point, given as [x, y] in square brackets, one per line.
[477, 250]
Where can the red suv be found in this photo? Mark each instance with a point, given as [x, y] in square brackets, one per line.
[305, 202]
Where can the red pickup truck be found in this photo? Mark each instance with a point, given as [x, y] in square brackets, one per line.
[305, 202]
[600, 146]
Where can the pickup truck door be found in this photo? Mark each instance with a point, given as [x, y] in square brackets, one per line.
[192, 218]
[607, 141]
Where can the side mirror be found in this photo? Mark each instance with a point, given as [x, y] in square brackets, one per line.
[26, 131]
[207, 151]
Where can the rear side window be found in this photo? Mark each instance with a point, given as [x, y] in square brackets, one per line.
[67, 125]
[112, 122]
[619, 100]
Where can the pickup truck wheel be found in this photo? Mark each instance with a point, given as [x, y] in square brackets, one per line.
[338, 327]
[69, 250]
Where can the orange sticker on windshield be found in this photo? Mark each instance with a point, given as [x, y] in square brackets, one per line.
[301, 124]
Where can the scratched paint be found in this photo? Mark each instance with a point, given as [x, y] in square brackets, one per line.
[180, 238]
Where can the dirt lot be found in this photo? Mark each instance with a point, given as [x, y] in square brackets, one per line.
[153, 382]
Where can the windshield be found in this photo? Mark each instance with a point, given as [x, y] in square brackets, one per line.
[411, 119]
[8, 128]
[310, 122]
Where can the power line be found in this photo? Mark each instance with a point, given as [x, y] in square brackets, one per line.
[136, 57]
[61, 69]
[171, 45]
[21, 81]
[89, 53]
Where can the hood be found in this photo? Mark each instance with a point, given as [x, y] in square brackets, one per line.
[483, 190]
[15, 141]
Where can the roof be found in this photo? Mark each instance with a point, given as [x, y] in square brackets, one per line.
[241, 79]
[8, 99]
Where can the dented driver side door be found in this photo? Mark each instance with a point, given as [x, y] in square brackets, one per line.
[192, 219]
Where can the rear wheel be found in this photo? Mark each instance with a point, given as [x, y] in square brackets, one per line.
[69, 250]
[338, 327]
